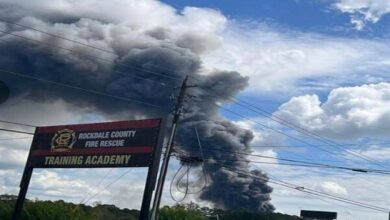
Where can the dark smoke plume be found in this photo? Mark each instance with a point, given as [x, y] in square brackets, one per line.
[134, 52]
[4, 92]
[228, 189]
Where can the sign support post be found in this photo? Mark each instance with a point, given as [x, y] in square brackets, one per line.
[22, 193]
[152, 175]
[24, 183]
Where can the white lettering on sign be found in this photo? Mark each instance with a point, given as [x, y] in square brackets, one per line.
[65, 160]
[92, 144]
[107, 160]
[119, 136]
[112, 143]
[94, 135]
[107, 134]
[123, 134]
[90, 160]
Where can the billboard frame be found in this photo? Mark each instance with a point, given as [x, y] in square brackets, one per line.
[150, 183]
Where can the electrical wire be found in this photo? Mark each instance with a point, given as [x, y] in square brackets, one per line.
[319, 192]
[321, 145]
[96, 186]
[16, 131]
[70, 40]
[293, 164]
[304, 189]
[307, 190]
[302, 130]
[18, 138]
[290, 125]
[288, 135]
[273, 129]
[108, 185]
[82, 89]
[189, 164]
[67, 39]
[91, 56]
[202, 158]
[237, 101]
[177, 183]
[304, 163]
[305, 131]
[95, 58]
[17, 123]
[54, 35]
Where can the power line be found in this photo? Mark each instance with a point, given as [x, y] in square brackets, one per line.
[53, 35]
[91, 46]
[186, 173]
[300, 165]
[188, 163]
[294, 138]
[302, 130]
[273, 129]
[237, 101]
[91, 56]
[97, 185]
[67, 39]
[17, 123]
[201, 157]
[64, 38]
[290, 125]
[321, 145]
[300, 188]
[108, 185]
[18, 138]
[363, 170]
[16, 131]
[292, 162]
[257, 146]
[319, 192]
[56, 36]
[82, 89]
[96, 58]
[308, 190]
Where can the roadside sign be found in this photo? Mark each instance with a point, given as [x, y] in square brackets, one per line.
[113, 144]
[136, 143]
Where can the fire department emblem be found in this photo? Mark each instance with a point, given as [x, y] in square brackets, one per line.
[63, 140]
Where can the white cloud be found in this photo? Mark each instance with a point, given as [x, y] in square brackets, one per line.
[348, 112]
[375, 152]
[262, 138]
[193, 28]
[363, 11]
[277, 59]
[366, 188]
[12, 158]
[9, 181]
[50, 184]
[333, 188]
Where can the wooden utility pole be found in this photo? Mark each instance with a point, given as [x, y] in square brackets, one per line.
[168, 151]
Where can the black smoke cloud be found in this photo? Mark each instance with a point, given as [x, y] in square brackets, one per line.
[138, 54]
[220, 140]
[4, 92]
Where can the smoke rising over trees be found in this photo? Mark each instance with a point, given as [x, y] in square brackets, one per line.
[141, 62]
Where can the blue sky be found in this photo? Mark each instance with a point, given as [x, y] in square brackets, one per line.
[320, 65]
[298, 15]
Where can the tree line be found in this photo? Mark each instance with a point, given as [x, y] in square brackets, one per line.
[61, 210]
